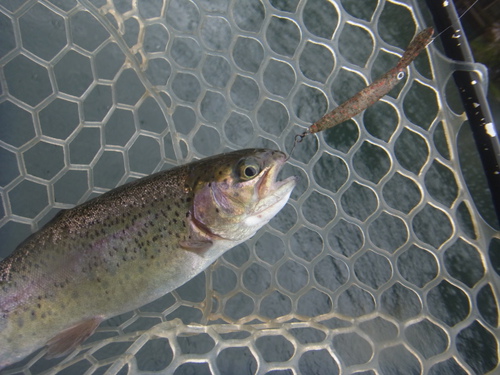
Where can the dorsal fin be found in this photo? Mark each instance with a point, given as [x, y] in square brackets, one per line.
[66, 341]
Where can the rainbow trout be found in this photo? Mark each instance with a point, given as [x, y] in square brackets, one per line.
[130, 246]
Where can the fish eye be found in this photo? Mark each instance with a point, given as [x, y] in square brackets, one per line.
[248, 170]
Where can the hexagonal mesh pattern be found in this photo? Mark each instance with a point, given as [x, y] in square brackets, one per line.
[379, 264]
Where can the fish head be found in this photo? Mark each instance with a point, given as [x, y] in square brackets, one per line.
[236, 193]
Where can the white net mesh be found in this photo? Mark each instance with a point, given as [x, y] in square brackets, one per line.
[379, 264]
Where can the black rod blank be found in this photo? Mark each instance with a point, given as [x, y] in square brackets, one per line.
[473, 97]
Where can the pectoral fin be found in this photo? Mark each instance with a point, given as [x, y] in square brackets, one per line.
[70, 338]
[200, 236]
[198, 246]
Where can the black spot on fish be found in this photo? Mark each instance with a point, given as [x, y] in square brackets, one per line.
[217, 210]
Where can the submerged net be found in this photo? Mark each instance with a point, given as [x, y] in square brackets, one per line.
[381, 263]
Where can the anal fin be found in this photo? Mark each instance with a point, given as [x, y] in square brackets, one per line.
[66, 341]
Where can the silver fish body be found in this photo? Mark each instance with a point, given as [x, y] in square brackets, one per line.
[130, 246]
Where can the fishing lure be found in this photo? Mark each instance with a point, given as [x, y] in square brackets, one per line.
[371, 94]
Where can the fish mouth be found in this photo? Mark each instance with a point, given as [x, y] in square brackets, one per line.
[269, 189]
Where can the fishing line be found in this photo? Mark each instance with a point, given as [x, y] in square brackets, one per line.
[446, 3]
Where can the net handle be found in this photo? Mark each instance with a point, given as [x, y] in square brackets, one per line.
[476, 106]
